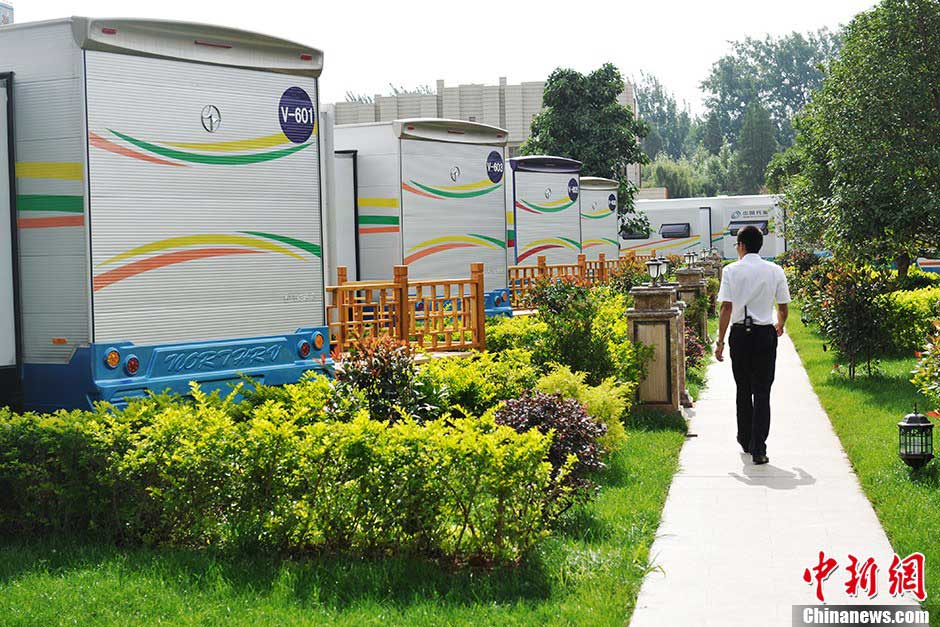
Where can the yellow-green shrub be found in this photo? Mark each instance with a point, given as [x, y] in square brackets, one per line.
[478, 382]
[909, 317]
[606, 402]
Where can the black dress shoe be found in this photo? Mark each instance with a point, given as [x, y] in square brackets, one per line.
[760, 459]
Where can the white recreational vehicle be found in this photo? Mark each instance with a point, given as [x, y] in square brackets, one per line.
[543, 209]
[599, 221]
[681, 224]
[428, 194]
[167, 201]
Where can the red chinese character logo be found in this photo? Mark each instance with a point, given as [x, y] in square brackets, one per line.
[907, 575]
[822, 572]
[864, 577]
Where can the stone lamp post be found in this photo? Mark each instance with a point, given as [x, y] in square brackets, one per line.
[656, 321]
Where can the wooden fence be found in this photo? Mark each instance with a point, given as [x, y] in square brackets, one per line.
[436, 315]
[523, 278]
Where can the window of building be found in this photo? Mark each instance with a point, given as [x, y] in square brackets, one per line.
[676, 230]
[737, 225]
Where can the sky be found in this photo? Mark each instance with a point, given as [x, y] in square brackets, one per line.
[368, 45]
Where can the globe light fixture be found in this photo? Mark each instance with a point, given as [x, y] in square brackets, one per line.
[915, 439]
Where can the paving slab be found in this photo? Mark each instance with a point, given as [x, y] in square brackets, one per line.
[735, 538]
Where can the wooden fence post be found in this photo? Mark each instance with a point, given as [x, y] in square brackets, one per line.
[582, 266]
[342, 313]
[403, 330]
[543, 267]
[602, 271]
[479, 307]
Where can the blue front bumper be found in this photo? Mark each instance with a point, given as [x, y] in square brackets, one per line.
[496, 304]
[214, 365]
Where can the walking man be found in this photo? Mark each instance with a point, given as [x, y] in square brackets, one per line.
[749, 289]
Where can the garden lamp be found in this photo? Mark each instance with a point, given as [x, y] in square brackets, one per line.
[663, 266]
[703, 254]
[653, 268]
[689, 258]
[915, 439]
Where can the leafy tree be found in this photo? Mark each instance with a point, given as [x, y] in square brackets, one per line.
[712, 136]
[867, 156]
[780, 72]
[756, 146]
[582, 119]
[653, 143]
[669, 124]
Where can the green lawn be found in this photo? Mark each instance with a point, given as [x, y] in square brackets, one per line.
[588, 574]
[864, 414]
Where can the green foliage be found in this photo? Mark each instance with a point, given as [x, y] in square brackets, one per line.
[576, 452]
[669, 124]
[756, 145]
[615, 354]
[780, 72]
[628, 275]
[567, 309]
[694, 348]
[209, 473]
[382, 372]
[909, 315]
[863, 177]
[528, 332]
[477, 383]
[582, 119]
[607, 403]
[852, 314]
[927, 372]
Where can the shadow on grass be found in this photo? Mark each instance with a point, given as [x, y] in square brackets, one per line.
[332, 581]
[656, 420]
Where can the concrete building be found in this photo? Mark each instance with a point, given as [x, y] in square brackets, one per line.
[511, 107]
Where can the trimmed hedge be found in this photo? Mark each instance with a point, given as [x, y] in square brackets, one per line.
[208, 472]
[909, 315]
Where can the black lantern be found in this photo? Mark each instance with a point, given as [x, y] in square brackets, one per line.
[703, 254]
[663, 266]
[915, 439]
[689, 258]
[653, 268]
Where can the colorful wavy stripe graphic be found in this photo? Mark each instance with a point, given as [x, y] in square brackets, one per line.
[468, 190]
[207, 246]
[533, 248]
[598, 215]
[67, 210]
[378, 224]
[441, 244]
[552, 207]
[604, 241]
[171, 153]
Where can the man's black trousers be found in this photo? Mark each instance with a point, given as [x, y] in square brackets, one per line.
[753, 361]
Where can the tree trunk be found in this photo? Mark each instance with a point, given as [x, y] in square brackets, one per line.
[903, 261]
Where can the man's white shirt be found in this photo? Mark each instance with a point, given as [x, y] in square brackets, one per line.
[757, 284]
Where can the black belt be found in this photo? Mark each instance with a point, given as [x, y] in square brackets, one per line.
[754, 326]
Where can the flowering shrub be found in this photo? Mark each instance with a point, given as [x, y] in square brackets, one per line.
[575, 435]
[694, 349]
[800, 260]
[927, 372]
[382, 373]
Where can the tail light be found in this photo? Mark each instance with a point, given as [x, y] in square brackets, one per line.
[132, 365]
[318, 341]
[304, 349]
[112, 358]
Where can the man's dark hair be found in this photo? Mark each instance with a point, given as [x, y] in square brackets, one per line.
[752, 238]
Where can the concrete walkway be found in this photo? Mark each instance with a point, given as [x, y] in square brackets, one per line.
[735, 538]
